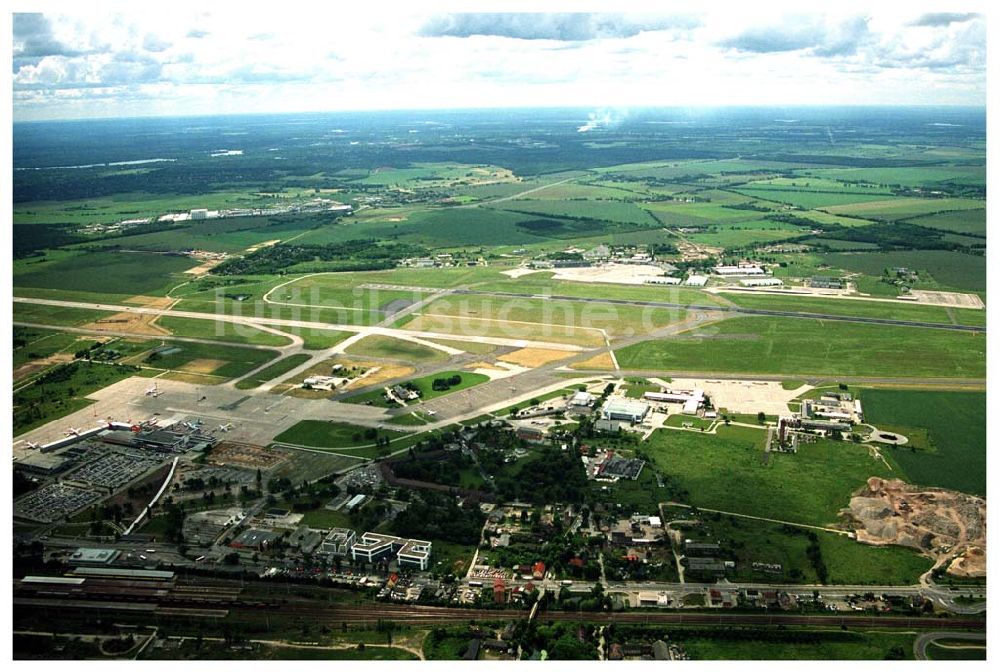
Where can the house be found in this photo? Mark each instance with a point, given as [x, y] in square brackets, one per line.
[538, 571]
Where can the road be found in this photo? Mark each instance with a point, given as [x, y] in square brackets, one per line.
[926, 639]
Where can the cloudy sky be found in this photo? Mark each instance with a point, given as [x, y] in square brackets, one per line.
[178, 59]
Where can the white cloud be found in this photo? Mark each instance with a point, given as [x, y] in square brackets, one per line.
[184, 60]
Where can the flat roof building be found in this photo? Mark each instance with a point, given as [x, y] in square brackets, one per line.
[338, 542]
[620, 408]
[410, 552]
[93, 556]
[696, 281]
[761, 282]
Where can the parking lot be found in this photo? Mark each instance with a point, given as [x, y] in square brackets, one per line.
[114, 469]
[54, 502]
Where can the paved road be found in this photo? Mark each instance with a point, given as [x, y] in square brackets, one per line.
[926, 639]
[733, 309]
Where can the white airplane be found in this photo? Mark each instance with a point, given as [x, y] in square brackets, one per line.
[153, 392]
[152, 421]
[226, 427]
[33, 445]
[72, 431]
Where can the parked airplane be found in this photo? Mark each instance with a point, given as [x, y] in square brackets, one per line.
[72, 431]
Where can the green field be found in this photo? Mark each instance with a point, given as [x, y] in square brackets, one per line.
[875, 645]
[62, 391]
[972, 222]
[469, 379]
[904, 208]
[323, 434]
[807, 346]
[964, 272]
[956, 425]
[229, 332]
[220, 361]
[808, 199]
[140, 273]
[56, 315]
[394, 348]
[279, 368]
[914, 177]
[316, 339]
[849, 307]
[726, 472]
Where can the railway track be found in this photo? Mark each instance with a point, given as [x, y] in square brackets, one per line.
[205, 599]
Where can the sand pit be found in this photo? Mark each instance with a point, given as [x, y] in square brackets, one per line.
[744, 396]
[532, 357]
[947, 525]
[202, 365]
[266, 243]
[603, 362]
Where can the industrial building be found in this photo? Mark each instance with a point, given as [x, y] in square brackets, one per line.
[696, 281]
[663, 281]
[621, 408]
[582, 400]
[739, 270]
[761, 282]
[826, 282]
[93, 556]
[255, 539]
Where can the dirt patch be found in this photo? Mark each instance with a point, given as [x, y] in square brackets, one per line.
[266, 243]
[247, 455]
[193, 378]
[204, 267]
[946, 525]
[135, 323]
[385, 372]
[602, 361]
[532, 357]
[950, 299]
[485, 365]
[36, 365]
[202, 365]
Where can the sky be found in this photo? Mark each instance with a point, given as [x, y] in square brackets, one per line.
[79, 60]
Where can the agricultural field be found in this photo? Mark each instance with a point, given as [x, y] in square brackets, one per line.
[864, 645]
[100, 272]
[904, 208]
[971, 222]
[956, 425]
[928, 176]
[811, 346]
[725, 471]
[949, 270]
[808, 199]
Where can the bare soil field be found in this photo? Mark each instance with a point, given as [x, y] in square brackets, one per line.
[532, 357]
[246, 455]
[946, 525]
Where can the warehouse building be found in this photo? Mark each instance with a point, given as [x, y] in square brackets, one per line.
[696, 281]
[737, 271]
[761, 282]
[692, 400]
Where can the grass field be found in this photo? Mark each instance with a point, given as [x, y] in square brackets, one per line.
[220, 331]
[56, 315]
[904, 208]
[950, 269]
[540, 319]
[726, 472]
[323, 434]
[227, 361]
[812, 198]
[279, 368]
[141, 273]
[956, 424]
[972, 222]
[847, 561]
[874, 645]
[316, 339]
[394, 348]
[469, 379]
[47, 399]
[805, 346]
[849, 307]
